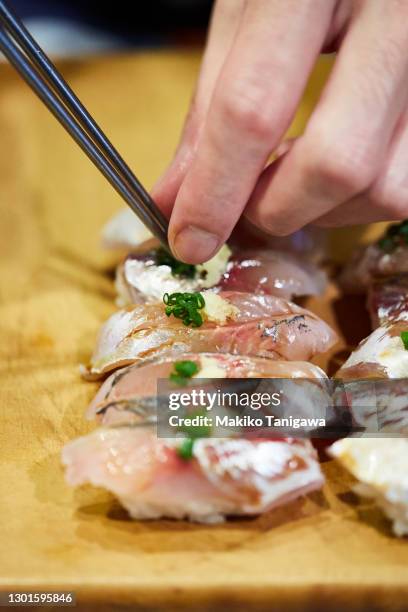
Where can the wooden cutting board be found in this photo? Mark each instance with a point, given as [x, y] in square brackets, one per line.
[328, 551]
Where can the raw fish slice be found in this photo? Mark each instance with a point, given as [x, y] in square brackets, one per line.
[223, 477]
[362, 268]
[386, 257]
[388, 299]
[146, 275]
[140, 279]
[379, 403]
[274, 273]
[263, 326]
[381, 355]
[380, 406]
[381, 467]
[140, 381]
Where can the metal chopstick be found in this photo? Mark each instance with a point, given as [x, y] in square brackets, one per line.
[42, 76]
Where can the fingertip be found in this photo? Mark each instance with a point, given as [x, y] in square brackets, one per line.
[194, 245]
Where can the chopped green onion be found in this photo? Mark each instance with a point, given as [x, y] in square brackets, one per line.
[183, 370]
[404, 338]
[186, 368]
[185, 450]
[178, 268]
[386, 244]
[196, 431]
[185, 306]
[396, 235]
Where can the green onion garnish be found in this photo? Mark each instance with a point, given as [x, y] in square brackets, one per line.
[183, 370]
[185, 306]
[178, 268]
[185, 450]
[386, 244]
[196, 431]
[404, 338]
[396, 235]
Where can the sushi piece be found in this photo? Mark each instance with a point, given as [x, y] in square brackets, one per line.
[274, 273]
[383, 354]
[374, 389]
[375, 407]
[144, 277]
[153, 477]
[236, 323]
[380, 466]
[111, 403]
[389, 256]
[388, 299]
[125, 231]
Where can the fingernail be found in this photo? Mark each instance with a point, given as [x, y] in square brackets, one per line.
[195, 245]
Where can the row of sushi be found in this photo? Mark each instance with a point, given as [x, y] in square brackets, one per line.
[380, 464]
[229, 318]
[242, 325]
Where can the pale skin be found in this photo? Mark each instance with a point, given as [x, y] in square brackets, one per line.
[351, 164]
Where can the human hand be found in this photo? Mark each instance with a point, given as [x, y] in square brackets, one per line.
[350, 165]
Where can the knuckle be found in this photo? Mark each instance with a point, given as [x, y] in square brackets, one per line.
[348, 173]
[249, 110]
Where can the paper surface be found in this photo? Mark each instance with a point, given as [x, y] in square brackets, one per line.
[325, 551]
